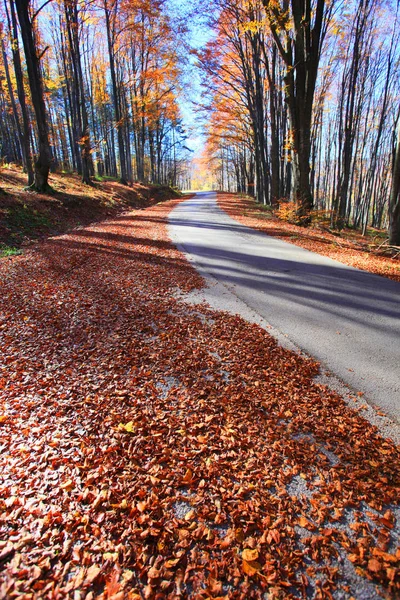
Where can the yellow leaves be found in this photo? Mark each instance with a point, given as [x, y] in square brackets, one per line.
[127, 576]
[171, 563]
[111, 556]
[128, 427]
[3, 419]
[68, 485]
[250, 565]
[251, 568]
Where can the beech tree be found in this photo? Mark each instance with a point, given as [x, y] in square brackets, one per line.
[32, 59]
[394, 205]
[299, 29]
[105, 83]
[350, 155]
[78, 90]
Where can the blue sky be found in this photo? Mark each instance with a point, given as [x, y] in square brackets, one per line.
[199, 35]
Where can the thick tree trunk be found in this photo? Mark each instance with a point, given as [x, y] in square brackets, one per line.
[43, 161]
[298, 39]
[394, 204]
[26, 127]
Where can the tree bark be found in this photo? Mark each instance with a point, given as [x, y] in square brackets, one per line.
[44, 158]
[26, 127]
[394, 203]
[301, 55]
[71, 15]
[116, 97]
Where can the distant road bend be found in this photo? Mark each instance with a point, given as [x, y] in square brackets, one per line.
[346, 318]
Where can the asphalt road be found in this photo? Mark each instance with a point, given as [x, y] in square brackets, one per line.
[347, 319]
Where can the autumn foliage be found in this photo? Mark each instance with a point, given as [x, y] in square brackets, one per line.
[155, 449]
[349, 248]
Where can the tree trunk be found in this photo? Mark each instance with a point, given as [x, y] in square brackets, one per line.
[394, 203]
[43, 161]
[26, 127]
[116, 96]
[298, 37]
[71, 15]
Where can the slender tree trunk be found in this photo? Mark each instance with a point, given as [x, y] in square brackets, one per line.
[116, 99]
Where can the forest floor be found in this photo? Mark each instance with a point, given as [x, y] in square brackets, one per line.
[155, 449]
[27, 216]
[349, 246]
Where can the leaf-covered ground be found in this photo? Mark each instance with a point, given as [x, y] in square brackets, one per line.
[349, 247]
[155, 449]
[26, 216]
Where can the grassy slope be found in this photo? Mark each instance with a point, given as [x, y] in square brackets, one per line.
[27, 216]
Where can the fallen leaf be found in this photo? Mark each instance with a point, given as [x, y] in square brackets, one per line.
[251, 568]
[250, 555]
[128, 427]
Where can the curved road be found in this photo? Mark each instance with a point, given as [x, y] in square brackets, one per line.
[346, 318]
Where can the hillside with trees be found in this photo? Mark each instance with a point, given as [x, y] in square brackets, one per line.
[302, 104]
[91, 88]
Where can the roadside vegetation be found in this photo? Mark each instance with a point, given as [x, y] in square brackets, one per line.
[26, 216]
[369, 252]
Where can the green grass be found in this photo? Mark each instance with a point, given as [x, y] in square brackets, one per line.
[8, 251]
[101, 178]
[22, 220]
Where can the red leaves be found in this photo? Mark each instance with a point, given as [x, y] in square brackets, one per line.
[153, 449]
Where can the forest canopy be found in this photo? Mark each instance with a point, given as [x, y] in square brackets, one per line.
[303, 104]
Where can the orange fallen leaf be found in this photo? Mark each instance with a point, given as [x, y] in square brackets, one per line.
[153, 573]
[249, 555]
[141, 506]
[91, 574]
[188, 477]
[374, 565]
[251, 568]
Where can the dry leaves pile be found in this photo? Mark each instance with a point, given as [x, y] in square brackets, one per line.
[353, 252]
[152, 449]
